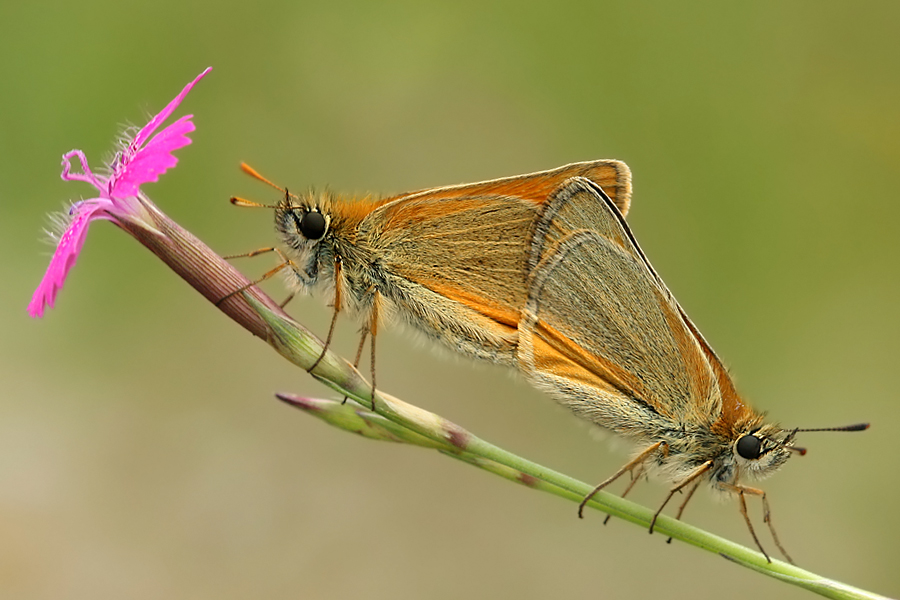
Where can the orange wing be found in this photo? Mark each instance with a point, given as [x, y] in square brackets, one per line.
[601, 331]
[613, 176]
[454, 259]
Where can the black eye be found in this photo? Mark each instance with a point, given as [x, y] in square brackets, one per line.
[312, 225]
[749, 446]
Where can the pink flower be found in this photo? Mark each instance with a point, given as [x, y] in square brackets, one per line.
[142, 160]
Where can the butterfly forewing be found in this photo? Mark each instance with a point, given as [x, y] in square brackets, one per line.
[455, 267]
[453, 259]
[595, 307]
[613, 176]
[576, 205]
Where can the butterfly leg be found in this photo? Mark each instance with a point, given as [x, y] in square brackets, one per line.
[767, 517]
[370, 330]
[359, 351]
[687, 499]
[373, 331]
[635, 477]
[632, 464]
[680, 486]
[286, 300]
[338, 300]
[286, 262]
[250, 254]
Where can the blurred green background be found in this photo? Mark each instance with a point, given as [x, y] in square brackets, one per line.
[142, 454]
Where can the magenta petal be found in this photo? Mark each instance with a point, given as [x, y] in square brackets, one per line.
[149, 162]
[143, 160]
[86, 174]
[70, 244]
[156, 121]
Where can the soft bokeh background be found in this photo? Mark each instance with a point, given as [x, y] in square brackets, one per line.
[142, 454]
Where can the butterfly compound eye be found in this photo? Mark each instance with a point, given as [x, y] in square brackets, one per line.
[749, 446]
[312, 225]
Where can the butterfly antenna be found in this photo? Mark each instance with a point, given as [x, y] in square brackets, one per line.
[854, 427]
[802, 451]
[253, 173]
[244, 203]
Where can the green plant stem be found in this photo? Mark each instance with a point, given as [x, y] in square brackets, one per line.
[388, 418]
[296, 344]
